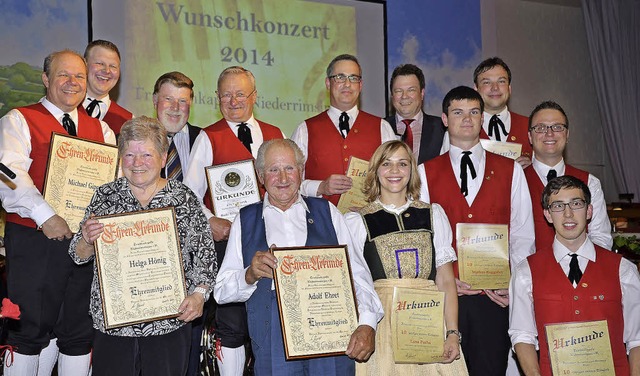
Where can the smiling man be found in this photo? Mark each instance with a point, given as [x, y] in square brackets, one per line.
[573, 280]
[41, 277]
[103, 62]
[549, 134]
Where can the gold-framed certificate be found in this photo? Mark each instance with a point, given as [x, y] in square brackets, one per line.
[232, 186]
[354, 197]
[140, 267]
[580, 348]
[316, 300]
[417, 325]
[483, 255]
[506, 149]
[76, 167]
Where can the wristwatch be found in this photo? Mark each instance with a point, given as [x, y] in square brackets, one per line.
[204, 291]
[456, 332]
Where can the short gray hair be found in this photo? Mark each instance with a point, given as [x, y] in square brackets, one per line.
[236, 69]
[260, 160]
[141, 129]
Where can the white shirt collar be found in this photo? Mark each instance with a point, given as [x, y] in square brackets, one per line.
[267, 205]
[477, 154]
[586, 250]
[58, 113]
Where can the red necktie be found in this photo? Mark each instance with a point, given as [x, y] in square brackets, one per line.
[407, 137]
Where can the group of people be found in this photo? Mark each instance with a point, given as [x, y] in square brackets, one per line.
[426, 175]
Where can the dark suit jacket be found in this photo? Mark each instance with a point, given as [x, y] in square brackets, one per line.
[431, 140]
[193, 133]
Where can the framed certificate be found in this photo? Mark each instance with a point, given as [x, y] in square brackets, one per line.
[580, 348]
[232, 186]
[316, 300]
[140, 268]
[354, 197]
[483, 255]
[417, 325]
[76, 167]
[506, 149]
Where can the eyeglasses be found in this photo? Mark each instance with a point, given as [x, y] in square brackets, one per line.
[240, 97]
[558, 206]
[544, 128]
[342, 78]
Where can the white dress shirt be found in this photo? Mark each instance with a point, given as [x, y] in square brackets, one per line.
[599, 226]
[301, 137]
[15, 148]
[442, 234]
[202, 155]
[522, 322]
[521, 229]
[181, 140]
[504, 115]
[289, 229]
[103, 105]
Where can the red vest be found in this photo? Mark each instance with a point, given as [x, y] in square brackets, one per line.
[328, 153]
[116, 116]
[597, 297]
[543, 229]
[227, 147]
[519, 133]
[41, 126]
[491, 205]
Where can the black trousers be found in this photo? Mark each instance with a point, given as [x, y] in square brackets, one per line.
[52, 291]
[485, 340]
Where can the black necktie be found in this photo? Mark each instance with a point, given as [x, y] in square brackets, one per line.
[343, 124]
[244, 135]
[494, 123]
[551, 174]
[464, 164]
[68, 125]
[574, 270]
[91, 108]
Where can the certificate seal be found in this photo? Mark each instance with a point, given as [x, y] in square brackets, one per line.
[232, 180]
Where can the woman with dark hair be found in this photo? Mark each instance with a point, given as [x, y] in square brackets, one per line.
[406, 243]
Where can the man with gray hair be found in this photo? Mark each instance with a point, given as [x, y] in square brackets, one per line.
[235, 137]
[287, 219]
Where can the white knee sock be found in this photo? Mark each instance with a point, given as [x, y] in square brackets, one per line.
[232, 363]
[74, 365]
[22, 365]
[48, 358]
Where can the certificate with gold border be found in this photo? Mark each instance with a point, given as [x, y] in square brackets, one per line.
[354, 197]
[316, 300]
[76, 167]
[483, 255]
[232, 186]
[580, 348]
[417, 325]
[506, 149]
[140, 268]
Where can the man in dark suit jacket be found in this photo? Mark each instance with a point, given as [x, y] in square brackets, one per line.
[422, 132]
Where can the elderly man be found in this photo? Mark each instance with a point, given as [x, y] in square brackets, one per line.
[172, 96]
[474, 186]
[573, 280]
[287, 219]
[235, 137]
[423, 133]
[41, 277]
[549, 133]
[103, 62]
[329, 139]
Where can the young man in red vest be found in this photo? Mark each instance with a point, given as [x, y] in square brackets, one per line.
[41, 277]
[330, 138]
[573, 280]
[548, 133]
[103, 62]
[235, 137]
[475, 186]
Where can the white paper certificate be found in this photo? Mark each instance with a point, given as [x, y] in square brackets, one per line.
[232, 186]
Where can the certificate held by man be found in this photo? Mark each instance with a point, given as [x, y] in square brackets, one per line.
[316, 300]
[140, 268]
[75, 168]
[483, 255]
[354, 197]
[232, 186]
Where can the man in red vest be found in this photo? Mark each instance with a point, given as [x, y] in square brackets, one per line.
[235, 137]
[51, 290]
[573, 280]
[329, 139]
[103, 62]
[548, 133]
[475, 186]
